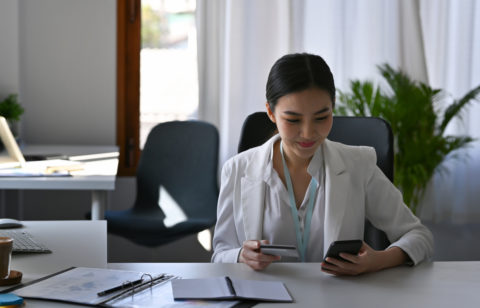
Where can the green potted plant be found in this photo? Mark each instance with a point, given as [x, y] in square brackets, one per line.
[11, 110]
[412, 108]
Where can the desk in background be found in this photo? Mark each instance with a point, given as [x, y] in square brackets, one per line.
[98, 176]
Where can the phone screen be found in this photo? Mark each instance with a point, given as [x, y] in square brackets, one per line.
[351, 247]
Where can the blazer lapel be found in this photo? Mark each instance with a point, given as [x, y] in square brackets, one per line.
[253, 196]
[253, 191]
[336, 179]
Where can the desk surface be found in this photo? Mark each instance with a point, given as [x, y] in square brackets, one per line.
[438, 284]
[97, 175]
[73, 243]
[69, 150]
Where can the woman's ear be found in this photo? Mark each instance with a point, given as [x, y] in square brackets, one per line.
[270, 112]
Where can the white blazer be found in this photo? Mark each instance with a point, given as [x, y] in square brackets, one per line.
[355, 189]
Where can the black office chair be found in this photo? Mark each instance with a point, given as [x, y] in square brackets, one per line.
[369, 131]
[181, 159]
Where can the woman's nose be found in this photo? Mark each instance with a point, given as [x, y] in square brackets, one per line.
[308, 131]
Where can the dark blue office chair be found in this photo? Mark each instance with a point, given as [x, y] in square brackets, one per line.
[374, 132]
[181, 160]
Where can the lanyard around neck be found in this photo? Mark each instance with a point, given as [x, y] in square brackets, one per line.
[302, 241]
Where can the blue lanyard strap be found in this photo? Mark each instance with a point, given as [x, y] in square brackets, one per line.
[302, 241]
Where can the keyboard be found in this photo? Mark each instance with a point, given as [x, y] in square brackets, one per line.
[24, 241]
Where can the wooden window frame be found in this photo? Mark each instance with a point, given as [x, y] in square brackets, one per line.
[128, 85]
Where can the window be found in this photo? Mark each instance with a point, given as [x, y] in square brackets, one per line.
[168, 63]
[157, 70]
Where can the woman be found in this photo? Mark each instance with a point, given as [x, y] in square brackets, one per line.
[302, 189]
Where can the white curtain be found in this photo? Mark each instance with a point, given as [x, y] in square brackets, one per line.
[355, 36]
[452, 38]
[435, 41]
[238, 41]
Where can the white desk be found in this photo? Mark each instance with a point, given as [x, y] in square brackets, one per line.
[439, 284]
[97, 176]
[73, 243]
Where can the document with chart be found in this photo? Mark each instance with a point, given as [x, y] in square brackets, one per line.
[82, 285]
[110, 288]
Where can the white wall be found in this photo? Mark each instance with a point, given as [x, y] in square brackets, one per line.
[60, 57]
[8, 47]
[67, 68]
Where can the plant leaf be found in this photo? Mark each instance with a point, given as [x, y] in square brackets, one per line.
[10, 108]
[457, 105]
[409, 106]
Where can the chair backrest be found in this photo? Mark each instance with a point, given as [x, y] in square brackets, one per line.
[368, 131]
[181, 157]
[256, 129]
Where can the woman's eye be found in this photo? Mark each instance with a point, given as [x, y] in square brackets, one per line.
[293, 120]
[322, 118]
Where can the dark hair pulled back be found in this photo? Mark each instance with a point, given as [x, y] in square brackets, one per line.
[297, 72]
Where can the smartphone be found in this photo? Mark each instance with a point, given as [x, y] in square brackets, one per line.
[351, 247]
[279, 250]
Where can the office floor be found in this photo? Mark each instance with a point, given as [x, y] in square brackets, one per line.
[456, 242]
[453, 242]
[187, 249]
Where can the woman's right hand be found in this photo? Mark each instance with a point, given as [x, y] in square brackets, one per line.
[251, 255]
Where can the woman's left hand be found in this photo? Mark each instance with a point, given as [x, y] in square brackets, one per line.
[367, 260]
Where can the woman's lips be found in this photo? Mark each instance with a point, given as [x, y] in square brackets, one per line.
[306, 144]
